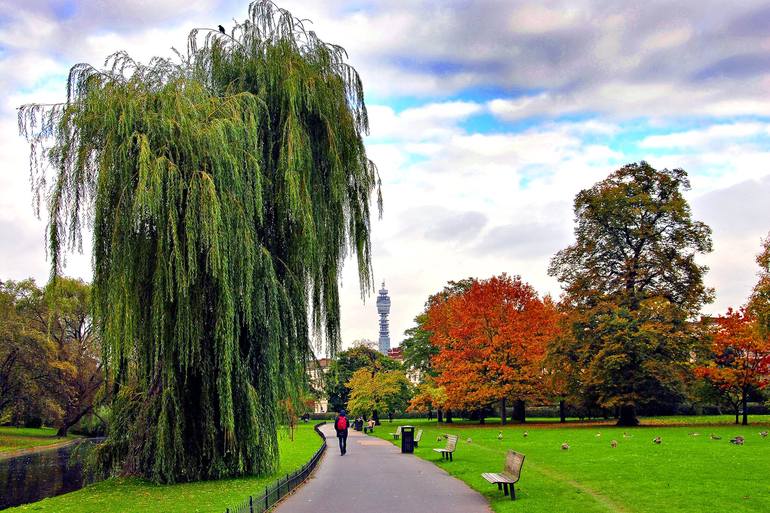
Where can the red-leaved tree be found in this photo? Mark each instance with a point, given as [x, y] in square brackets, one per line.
[741, 359]
[491, 341]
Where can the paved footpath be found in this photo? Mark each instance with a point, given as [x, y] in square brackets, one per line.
[374, 477]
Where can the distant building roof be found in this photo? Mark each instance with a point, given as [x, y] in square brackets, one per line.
[396, 353]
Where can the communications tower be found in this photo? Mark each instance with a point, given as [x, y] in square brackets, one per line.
[383, 308]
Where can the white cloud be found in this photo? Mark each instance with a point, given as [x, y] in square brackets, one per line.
[668, 38]
[702, 138]
[427, 122]
[539, 19]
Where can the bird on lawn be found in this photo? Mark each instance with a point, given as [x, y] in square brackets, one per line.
[438, 438]
[657, 440]
[525, 434]
[499, 435]
[614, 444]
[715, 437]
[565, 446]
[626, 435]
[763, 434]
[738, 440]
[469, 440]
[222, 29]
[598, 435]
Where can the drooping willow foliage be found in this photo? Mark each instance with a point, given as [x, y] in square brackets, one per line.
[224, 190]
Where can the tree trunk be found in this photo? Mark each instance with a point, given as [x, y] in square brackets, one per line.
[519, 411]
[745, 405]
[628, 416]
[562, 412]
[448, 416]
[503, 418]
[482, 420]
[376, 418]
[440, 415]
[67, 424]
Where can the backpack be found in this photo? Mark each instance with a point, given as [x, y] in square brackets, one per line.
[342, 423]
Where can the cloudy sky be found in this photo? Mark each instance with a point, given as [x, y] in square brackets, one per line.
[487, 118]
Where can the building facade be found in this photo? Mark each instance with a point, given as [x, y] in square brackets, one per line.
[316, 371]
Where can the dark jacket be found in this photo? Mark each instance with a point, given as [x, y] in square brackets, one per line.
[341, 432]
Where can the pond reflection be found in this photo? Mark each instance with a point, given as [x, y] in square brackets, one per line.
[35, 476]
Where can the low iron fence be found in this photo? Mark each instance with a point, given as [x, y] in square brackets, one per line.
[283, 486]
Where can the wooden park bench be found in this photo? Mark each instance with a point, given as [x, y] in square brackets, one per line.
[397, 434]
[417, 438]
[451, 443]
[509, 476]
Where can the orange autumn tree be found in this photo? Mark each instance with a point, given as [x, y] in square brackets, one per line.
[741, 359]
[491, 340]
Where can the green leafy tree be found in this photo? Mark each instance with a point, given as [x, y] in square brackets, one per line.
[343, 368]
[759, 301]
[77, 374]
[225, 189]
[49, 363]
[418, 350]
[562, 373]
[26, 353]
[375, 391]
[632, 279]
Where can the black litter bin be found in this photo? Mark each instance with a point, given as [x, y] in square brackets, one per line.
[407, 439]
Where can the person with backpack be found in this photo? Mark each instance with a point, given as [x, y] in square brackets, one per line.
[341, 426]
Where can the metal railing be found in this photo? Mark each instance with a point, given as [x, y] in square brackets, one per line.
[283, 486]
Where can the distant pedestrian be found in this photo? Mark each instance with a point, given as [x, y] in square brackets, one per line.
[390, 416]
[341, 426]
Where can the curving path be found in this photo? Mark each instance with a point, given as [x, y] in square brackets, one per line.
[374, 477]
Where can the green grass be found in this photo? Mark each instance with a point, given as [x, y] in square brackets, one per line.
[135, 495]
[685, 474]
[13, 438]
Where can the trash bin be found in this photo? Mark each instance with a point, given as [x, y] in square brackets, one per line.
[407, 439]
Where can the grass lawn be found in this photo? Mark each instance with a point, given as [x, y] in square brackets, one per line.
[684, 474]
[136, 495]
[13, 439]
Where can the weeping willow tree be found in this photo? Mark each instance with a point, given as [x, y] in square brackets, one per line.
[224, 189]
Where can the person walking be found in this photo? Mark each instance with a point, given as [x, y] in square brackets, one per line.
[341, 426]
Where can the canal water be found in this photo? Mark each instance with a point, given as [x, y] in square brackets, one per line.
[35, 476]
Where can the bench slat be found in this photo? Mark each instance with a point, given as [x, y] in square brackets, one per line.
[498, 478]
